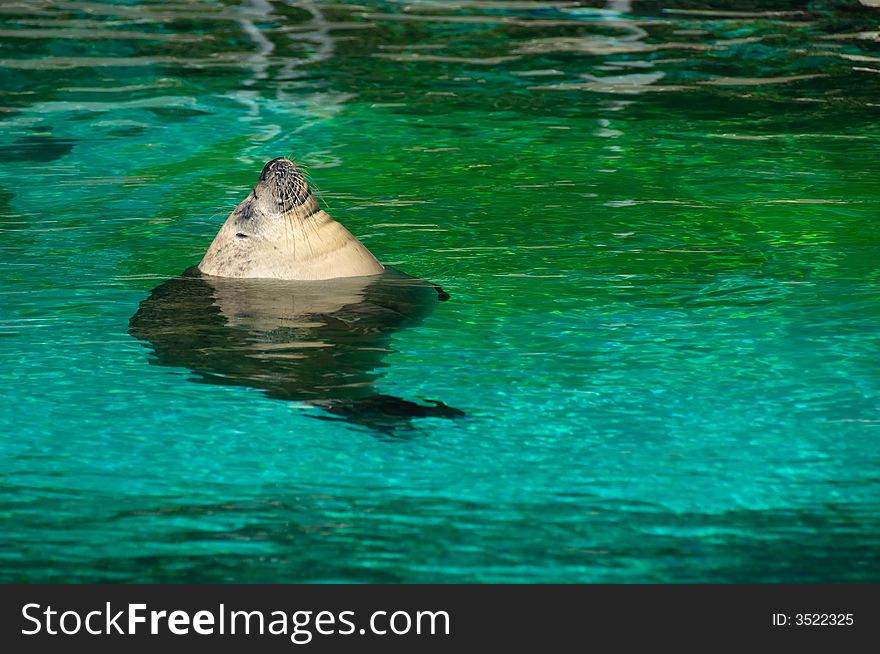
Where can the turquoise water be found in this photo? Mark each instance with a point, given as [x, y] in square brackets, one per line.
[656, 222]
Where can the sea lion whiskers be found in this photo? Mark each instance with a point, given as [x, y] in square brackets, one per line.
[316, 191]
[298, 224]
[287, 234]
[313, 190]
[314, 228]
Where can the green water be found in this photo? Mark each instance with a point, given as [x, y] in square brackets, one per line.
[657, 223]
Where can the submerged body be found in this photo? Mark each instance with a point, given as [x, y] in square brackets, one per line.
[280, 232]
[321, 343]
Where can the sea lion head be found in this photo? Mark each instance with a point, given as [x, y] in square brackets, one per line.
[280, 195]
[278, 231]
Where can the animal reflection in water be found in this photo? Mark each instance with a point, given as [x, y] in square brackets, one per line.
[318, 342]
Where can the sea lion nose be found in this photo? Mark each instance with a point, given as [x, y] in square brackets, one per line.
[279, 164]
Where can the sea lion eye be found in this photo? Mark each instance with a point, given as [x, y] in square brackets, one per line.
[240, 235]
[246, 212]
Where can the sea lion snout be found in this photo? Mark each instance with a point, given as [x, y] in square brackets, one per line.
[280, 166]
[282, 181]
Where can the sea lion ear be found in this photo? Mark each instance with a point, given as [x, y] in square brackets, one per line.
[245, 211]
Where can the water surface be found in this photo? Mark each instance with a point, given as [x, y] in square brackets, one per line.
[656, 221]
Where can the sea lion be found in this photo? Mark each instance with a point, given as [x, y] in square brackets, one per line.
[279, 232]
[320, 340]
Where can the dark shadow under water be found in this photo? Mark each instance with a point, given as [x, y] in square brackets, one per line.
[319, 342]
